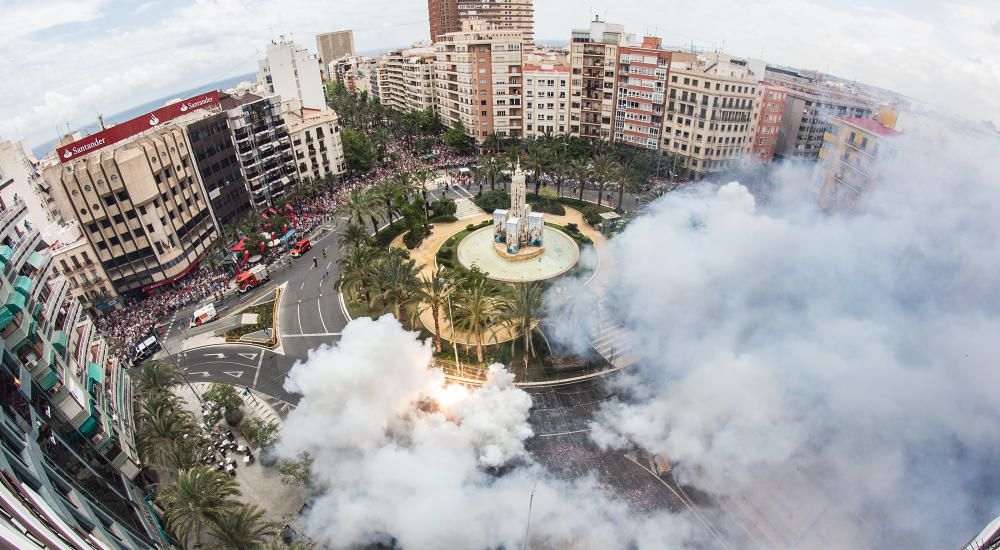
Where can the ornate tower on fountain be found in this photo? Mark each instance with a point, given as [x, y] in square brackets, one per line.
[519, 225]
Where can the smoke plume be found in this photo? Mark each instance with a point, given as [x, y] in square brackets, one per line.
[402, 458]
[834, 373]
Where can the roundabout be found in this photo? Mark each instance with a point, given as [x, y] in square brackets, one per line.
[560, 254]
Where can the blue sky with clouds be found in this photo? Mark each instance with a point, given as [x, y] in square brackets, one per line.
[64, 61]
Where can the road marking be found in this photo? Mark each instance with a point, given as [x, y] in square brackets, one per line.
[233, 373]
[310, 335]
[216, 355]
[565, 433]
[250, 356]
[257, 374]
[302, 285]
[298, 314]
[203, 373]
[328, 265]
[691, 506]
[319, 305]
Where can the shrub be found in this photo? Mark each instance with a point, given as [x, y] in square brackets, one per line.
[445, 253]
[443, 219]
[469, 227]
[492, 200]
[444, 207]
[572, 228]
[592, 214]
[260, 432]
[414, 237]
[223, 401]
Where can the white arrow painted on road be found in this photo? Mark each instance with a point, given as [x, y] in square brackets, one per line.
[201, 372]
[233, 373]
[250, 356]
[216, 355]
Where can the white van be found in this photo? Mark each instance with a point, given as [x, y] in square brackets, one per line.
[202, 315]
[145, 349]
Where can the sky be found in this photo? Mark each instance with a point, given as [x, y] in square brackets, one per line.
[65, 61]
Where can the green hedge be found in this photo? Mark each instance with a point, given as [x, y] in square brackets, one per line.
[385, 236]
[444, 219]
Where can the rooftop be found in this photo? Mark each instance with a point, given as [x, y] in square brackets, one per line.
[871, 125]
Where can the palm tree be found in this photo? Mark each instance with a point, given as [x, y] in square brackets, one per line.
[581, 170]
[625, 177]
[385, 192]
[278, 544]
[358, 203]
[474, 312]
[537, 161]
[433, 291]
[180, 454]
[399, 283]
[159, 432]
[241, 528]
[156, 376]
[196, 500]
[520, 308]
[353, 236]
[605, 168]
[355, 270]
[421, 178]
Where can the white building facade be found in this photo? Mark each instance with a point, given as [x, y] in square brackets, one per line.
[292, 73]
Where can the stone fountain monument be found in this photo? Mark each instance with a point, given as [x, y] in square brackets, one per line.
[517, 232]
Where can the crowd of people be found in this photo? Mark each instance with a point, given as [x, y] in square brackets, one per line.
[125, 328]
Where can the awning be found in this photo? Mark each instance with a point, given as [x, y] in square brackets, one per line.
[96, 372]
[180, 275]
[240, 245]
[88, 426]
[23, 284]
[37, 260]
[15, 302]
[6, 253]
[60, 340]
[47, 379]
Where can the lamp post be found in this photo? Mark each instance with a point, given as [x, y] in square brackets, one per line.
[454, 344]
[181, 370]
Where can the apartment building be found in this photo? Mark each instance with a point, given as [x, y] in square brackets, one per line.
[263, 146]
[477, 79]
[710, 107]
[357, 74]
[88, 281]
[316, 142]
[447, 16]
[767, 121]
[546, 99]
[443, 17]
[292, 73]
[140, 203]
[848, 161]
[216, 158]
[406, 79]
[812, 100]
[642, 87]
[594, 76]
[69, 455]
[334, 45]
[518, 15]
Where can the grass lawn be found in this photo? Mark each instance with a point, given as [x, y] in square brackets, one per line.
[265, 319]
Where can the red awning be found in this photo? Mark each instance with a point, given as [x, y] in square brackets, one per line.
[239, 245]
[180, 275]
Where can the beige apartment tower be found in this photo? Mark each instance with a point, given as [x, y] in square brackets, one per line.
[334, 45]
[478, 80]
[447, 16]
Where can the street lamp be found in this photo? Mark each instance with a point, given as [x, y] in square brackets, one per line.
[451, 323]
[183, 374]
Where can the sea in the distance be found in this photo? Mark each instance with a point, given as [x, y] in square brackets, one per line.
[42, 149]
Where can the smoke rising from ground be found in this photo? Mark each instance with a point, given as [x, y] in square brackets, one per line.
[791, 357]
[399, 457]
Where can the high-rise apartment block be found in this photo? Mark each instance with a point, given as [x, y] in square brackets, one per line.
[69, 454]
[357, 74]
[812, 100]
[216, 158]
[767, 121]
[848, 161]
[447, 16]
[292, 73]
[546, 99]
[332, 46]
[263, 146]
[406, 79]
[316, 143]
[642, 89]
[593, 82]
[710, 108]
[478, 80]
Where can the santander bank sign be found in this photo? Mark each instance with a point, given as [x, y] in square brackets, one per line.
[136, 125]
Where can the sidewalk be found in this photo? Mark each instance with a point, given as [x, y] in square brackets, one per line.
[259, 485]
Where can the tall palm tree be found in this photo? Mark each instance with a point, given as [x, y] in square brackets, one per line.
[195, 500]
[421, 179]
[581, 170]
[353, 236]
[433, 292]
[358, 203]
[159, 432]
[355, 271]
[399, 284]
[537, 161]
[520, 308]
[242, 527]
[625, 178]
[385, 192]
[474, 312]
[156, 376]
[278, 544]
[605, 168]
[180, 454]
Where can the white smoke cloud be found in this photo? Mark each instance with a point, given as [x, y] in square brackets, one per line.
[843, 363]
[400, 457]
